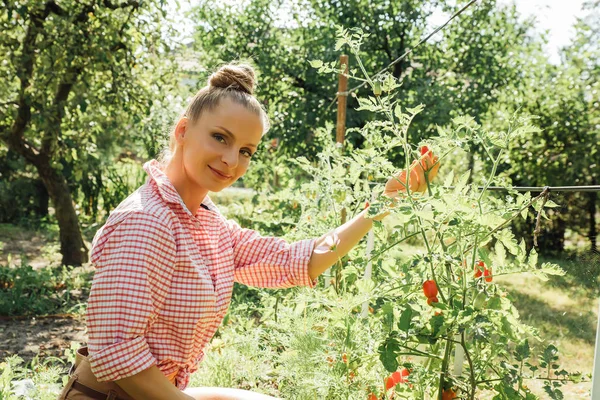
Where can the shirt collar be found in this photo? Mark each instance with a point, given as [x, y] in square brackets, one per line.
[167, 191]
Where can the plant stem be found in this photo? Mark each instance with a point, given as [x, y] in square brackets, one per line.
[444, 370]
[471, 370]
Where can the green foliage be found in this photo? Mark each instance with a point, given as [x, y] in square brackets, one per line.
[84, 85]
[48, 290]
[36, 380]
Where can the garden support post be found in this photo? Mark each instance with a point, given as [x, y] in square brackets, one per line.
[342, 95]
[596, 370]
[340, 127]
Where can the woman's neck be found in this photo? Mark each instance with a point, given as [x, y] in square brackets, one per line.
[190, 193]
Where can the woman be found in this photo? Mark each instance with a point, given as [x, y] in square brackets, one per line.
[166, 259]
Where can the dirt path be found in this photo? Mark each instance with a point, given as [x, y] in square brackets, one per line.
[43, 337]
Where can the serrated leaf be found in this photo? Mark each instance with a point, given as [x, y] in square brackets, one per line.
[490, 220]
[533, 258]
[508, 240]
[552, 269]
[449, 179]
[415, 110]
[462, 182]
[522, 254]
[522, 351]
[500, 254]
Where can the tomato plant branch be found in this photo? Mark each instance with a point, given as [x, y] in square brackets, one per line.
[502, 225]
[444, 370]
[471, 369]
[392, 245]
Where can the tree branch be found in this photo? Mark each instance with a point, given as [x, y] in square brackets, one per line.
[57, 111]
[15, 139]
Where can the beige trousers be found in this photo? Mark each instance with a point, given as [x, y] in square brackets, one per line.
[81, 374]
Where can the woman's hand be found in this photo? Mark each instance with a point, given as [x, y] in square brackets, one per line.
[427, 165]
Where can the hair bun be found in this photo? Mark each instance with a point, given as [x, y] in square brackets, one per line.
[235, 77]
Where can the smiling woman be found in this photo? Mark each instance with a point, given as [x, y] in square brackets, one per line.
[166, 259]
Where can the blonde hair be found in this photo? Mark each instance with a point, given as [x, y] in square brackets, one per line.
[235, 81]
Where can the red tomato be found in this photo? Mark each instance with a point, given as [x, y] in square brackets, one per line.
[400, 376]
[448, 394]
[479, 268]
[344, 358]
[430, 288]
[488, 275]
[432, 300]
[424, 150]
[371, 396]
[389, 383]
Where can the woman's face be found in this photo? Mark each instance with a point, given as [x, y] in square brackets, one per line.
[217, 148]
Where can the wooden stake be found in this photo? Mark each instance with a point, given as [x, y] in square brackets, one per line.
[342, 95]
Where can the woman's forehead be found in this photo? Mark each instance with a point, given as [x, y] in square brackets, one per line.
[235, 118]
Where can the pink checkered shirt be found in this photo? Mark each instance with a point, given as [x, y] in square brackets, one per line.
[164, 278]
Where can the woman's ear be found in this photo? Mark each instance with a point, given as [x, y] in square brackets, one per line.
[180, 130]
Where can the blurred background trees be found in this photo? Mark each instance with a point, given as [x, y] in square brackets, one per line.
[88, 91]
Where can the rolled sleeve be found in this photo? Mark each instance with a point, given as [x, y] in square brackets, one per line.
[270, 262]
[133, 269]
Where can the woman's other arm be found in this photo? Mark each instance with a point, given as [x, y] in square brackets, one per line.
[151, 384]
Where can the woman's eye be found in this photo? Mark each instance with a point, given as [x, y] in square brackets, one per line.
[219, 138]
[246, 153]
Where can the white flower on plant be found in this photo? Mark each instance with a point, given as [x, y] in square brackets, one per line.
[331, 242]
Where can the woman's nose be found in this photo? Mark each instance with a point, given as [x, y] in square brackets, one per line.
[230, 158]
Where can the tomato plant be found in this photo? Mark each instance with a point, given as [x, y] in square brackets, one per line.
[466, 340]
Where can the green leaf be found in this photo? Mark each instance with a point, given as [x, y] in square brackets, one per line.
[508, 240]
[415, 110]
[533, 258]
[462, 182]
[522, 351]
[548, 269]
[387, 353]
[405, 318]
[551, 204]
[316, 63]
[500, 254]
[398, 112]
[449, 179]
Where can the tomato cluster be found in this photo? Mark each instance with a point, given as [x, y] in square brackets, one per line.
[482, 270]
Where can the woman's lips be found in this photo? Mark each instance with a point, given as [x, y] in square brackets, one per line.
[219, 174]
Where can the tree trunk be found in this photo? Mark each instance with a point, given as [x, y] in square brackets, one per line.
[72, 246]
[42, 200]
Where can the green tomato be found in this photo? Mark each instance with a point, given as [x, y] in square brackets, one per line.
[479, 301]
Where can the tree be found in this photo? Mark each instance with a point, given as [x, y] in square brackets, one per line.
[566, 152]
[73, 74]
